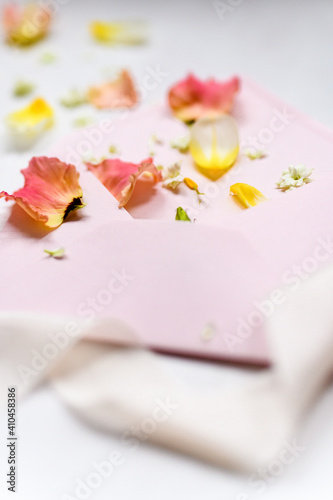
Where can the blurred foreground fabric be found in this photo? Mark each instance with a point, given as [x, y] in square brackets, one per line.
[125, 389]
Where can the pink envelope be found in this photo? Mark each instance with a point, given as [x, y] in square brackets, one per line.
[201, 289]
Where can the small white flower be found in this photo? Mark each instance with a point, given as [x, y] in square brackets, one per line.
[74, 98]
[255, 154]
[172, 176]
[294, 176]
[88, 157]
[181, 143]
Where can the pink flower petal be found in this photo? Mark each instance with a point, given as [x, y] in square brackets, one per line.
[119, 93]
[191, 98]
[120, 177]
[51, 190]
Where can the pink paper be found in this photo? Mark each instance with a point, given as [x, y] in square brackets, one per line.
[173, 281]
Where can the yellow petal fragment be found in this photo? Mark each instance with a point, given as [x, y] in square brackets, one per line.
[128, 33]
[247, 195]
[214, 143]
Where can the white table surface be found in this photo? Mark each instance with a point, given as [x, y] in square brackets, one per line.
[287, 47]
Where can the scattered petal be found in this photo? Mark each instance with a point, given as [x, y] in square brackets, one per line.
[25, 25]
[247, 195]
[152, 141]
[192, 185]
[89, 157]
[47, 58]
[28, 124]
[255, 154]
[113, 149]
[294, 176]
[156, 139]
[208, 332]
[191, 98]
[51, 191]
[214, 143]
[172, 176]
[182, 215]
[74, 98]
[23, 88]
[56, 254]
[119, 93]
[120, 177]
[83, 121]
[181, 143]
[128, 33]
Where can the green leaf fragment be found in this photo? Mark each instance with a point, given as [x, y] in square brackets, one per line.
[182, 215]
[56, 254]
[23, 88]
[83, 121]
[47, 58]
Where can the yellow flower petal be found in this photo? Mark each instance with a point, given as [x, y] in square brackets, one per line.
[214, 143]
[247, 195]
[28, 123]
[130, 33]
[191, 185]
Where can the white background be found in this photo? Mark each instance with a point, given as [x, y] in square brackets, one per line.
[287, 47]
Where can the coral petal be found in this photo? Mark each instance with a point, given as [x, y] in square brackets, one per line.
[119, 93]
[191, 98]
[25, 25]
[120, 177]
[51, 191]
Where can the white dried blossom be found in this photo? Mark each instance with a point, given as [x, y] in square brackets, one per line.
[294, 176]
[172, 176]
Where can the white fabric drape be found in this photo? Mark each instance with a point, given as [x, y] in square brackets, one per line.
[120, 388]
